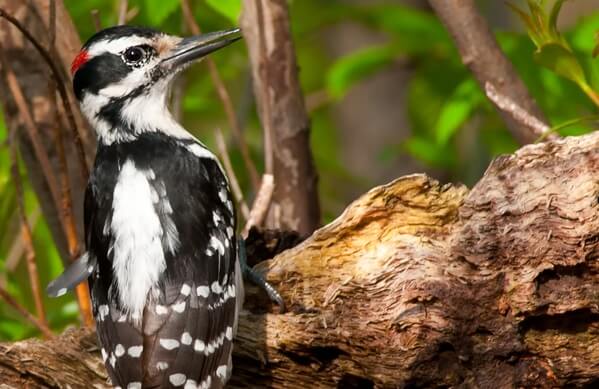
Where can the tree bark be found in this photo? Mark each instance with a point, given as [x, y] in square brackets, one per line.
[418, 284]
[282, 112]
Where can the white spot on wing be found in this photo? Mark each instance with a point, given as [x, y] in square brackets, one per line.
[119, 350]
[217, 245]
[229, 333]
[203, 291]
[161, 310]
[185, 290]
[186, 338]
[221, 372]
[103, 310]
[135, 351]
[104, 355]
[134, 385]
[169, 344]
[179, 307]
[61, 292]
[162, 366]
[199, 345]
[190, 384]
[216, 288]
[177, 379]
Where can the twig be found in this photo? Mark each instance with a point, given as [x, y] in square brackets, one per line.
[47, 332]
[30, 126]
[261, 204]
[483, 56]
[222, 150]
[61, 90]
[519, 114]
[225, 98]
[123, 7]
[17, 249]
[26, 235]
[66, 211]
[95, 14]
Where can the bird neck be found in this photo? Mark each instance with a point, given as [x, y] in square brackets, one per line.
[124, 119]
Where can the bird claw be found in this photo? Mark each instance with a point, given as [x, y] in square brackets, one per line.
[253, 276]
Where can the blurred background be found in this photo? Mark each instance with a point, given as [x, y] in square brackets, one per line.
[386, 92]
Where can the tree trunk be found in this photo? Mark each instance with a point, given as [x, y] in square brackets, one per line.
[283, 115]
[417, 284]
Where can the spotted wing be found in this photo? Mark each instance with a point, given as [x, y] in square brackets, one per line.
[188, 331]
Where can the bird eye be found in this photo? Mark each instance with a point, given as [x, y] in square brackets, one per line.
[134, 54]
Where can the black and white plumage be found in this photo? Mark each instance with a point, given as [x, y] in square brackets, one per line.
[159, 219]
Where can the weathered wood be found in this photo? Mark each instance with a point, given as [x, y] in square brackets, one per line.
[419, 284]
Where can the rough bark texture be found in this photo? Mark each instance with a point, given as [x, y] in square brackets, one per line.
[34, 78]
[283, 115]
[480, 52]
[419, 284]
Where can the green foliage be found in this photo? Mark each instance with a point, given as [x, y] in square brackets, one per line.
[159, 10]
[231, 9]
[356, 66]
[553, 50]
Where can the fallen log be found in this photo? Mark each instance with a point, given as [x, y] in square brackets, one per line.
[416, 284]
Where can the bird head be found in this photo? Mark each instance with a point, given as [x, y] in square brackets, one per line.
[122, 75]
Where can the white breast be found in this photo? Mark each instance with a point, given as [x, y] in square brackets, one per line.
[138, 254]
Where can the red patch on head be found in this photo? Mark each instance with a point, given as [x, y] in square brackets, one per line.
[79, 61]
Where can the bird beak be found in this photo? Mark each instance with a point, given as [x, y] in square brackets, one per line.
[196, 47]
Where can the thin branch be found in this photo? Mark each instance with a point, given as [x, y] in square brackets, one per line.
[519, 114]
[17, 249]
[30, 126]
[483, 56]
[123, 7]
[95, 14]
[261, 204]
[222, 150]
[66, 210]
[4, 295]
[61, 90]
[26, 234]
[225, 98]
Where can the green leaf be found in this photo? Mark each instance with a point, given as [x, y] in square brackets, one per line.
[562, 61]
[231, 9]
[356, 66]
[159, 10]
[456, 111]
[430, 152]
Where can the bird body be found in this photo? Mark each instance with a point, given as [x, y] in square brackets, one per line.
[159, 219]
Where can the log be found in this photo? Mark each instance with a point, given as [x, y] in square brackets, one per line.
[417, 284]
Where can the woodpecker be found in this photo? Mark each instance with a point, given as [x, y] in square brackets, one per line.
[159, 219]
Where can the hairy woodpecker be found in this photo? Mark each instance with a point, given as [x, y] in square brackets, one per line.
[159, 219]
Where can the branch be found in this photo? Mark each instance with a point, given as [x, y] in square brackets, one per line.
[288, 157]
[4, 295]
[481, 53]
[26, 234]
